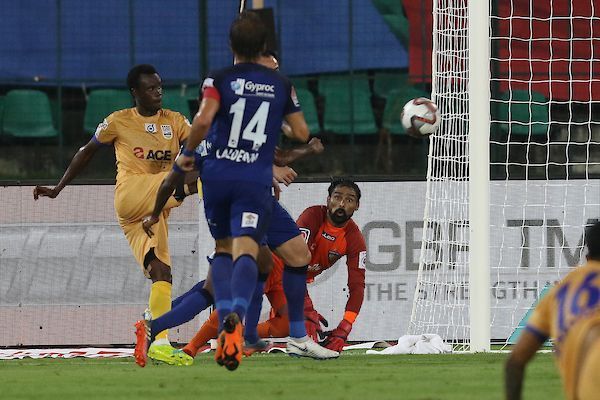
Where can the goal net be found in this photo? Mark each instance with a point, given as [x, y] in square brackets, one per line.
[541, 186]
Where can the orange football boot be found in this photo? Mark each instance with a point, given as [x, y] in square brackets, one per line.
[141, 343]
[230, 344]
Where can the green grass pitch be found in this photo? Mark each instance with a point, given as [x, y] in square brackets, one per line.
[276, 376]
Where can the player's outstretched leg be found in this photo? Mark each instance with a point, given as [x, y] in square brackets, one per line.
[299, 343]
[157, 350]
[142, 341]
[230, 344]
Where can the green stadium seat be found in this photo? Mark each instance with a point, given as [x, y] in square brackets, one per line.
[384, 83]
[395, 103]
[175, 102]
[337, 115]
[309, 108]
[521, 113]
[103, 102]
[27, 114]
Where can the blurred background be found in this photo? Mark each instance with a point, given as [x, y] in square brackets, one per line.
[64, 63]
[354, 63]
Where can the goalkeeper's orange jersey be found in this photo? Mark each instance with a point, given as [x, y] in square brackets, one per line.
[143, 145]
[566, 314]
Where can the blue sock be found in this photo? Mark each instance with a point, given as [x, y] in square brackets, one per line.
[221, 271]
[294, 287]
[196, 288]
[190, 304]
[253, 312]
[243, 282]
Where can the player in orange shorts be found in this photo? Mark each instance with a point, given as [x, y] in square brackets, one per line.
[330, 234]
[570, 315]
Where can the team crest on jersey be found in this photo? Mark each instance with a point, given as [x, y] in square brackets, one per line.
[167, 132]
[249, 220]
[327, 236]
[333, 256]
[150, 128]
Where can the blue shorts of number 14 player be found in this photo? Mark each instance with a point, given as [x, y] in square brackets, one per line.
[237, 208]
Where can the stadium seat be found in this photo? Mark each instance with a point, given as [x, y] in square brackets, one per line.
[101, 103]
[27, 114]
[394, 105]
[309, 108]
[176, 102]
[385, 83]
[337, 115]
[521, 113]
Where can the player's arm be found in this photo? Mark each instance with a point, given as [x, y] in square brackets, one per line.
[288, 156]
[80, 160]
[299, 129]
[209, 106]
[175, 178]
[514, 369]
[356, 259]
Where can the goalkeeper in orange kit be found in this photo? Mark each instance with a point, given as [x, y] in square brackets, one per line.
[330, 234]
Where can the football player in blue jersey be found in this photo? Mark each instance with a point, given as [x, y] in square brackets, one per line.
[240, 117]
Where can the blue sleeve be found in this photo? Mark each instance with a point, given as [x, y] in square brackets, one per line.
[292, 104]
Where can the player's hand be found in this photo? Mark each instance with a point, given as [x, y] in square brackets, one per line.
[316, 145]
[313, 320]
[336, 339]
[285, 175]
[276, 189]
[186, 163]
[41, 191]
[147, 223]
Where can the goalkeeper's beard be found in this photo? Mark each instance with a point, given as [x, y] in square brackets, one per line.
[339, 216]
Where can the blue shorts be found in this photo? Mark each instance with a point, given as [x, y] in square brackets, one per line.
[282, 228]
[237, 208]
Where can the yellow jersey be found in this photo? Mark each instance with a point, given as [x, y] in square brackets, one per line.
[143, 145]
[566, 314]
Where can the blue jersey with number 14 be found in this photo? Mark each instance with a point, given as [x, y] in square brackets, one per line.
[241, 142]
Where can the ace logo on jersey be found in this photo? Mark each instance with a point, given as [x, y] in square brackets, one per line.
[150, 128]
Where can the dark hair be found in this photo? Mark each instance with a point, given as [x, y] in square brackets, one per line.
[133, 77]
[345, 183]
[248, 35]
[592, 241]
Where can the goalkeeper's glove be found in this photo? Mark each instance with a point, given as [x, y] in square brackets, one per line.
[313, 320]
[336, 339]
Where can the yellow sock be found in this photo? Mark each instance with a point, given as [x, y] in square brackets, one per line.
[160, 302]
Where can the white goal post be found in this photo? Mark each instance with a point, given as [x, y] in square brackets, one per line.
[514, 170]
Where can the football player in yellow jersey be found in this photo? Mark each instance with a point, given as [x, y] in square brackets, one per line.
[570, 315]
[146, 139]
